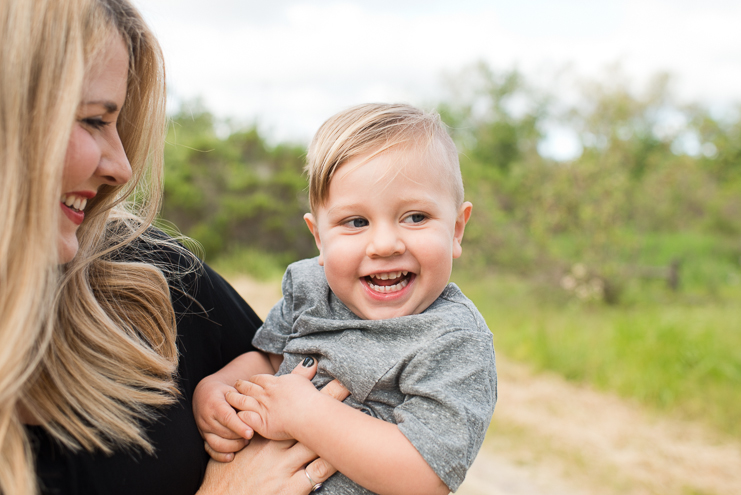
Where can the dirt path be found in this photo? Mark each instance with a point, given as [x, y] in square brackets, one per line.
[550, 437]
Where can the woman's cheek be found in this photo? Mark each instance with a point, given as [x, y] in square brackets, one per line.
[81, 159]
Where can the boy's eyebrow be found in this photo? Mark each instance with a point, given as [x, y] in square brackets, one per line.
[342, 208]
[423, 203]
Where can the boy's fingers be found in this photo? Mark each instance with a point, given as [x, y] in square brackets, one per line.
[223, 445]
[240, 401]
[218, 456]
[230, 420]
[336, 390]
[245, 388]
[252, 418]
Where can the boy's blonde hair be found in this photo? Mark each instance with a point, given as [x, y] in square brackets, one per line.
[372, 129]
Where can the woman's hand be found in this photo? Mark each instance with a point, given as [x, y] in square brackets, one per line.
[266, 466]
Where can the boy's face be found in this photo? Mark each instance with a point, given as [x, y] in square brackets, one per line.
[387, 240]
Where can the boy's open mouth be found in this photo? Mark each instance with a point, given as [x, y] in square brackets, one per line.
[389, 281]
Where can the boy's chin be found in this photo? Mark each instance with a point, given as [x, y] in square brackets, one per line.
[383, 312]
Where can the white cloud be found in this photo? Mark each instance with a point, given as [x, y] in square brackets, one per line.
[293, 64]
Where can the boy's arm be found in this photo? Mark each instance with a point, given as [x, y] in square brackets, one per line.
[216, 420]
[373, 453]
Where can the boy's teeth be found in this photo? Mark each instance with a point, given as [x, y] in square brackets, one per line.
[389, 275]
[389, 288]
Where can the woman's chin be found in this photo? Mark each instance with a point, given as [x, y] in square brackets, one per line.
[67, 249]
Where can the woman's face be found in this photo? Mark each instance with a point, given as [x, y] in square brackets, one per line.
[95, 155]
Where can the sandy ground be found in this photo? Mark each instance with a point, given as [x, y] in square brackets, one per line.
[550, 437]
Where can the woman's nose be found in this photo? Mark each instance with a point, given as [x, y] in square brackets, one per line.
[114, 167]
[385, 242]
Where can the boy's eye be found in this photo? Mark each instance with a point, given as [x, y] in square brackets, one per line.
[357, 223]
[415, 218]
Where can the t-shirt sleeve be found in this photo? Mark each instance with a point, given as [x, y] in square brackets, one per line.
[451, 389]
[273, 335]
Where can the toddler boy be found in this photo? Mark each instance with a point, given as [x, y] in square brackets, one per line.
[377, 312]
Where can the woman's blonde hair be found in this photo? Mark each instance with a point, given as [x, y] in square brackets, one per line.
[87, 348]
[374, 128]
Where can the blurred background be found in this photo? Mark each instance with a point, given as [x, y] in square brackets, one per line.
[600, 145]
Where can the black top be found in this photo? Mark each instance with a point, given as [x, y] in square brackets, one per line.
[206, 342]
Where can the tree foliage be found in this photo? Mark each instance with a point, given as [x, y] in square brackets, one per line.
[235, 190]
[650, 169]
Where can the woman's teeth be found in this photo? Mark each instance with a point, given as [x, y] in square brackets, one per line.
[73, 201]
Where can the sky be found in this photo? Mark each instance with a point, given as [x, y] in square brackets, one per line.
[288, 65]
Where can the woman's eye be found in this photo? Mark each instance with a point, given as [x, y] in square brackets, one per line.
[95, 122]
[415, 218]
[357, 223]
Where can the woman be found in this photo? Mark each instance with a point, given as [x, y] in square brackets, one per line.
[106, 325]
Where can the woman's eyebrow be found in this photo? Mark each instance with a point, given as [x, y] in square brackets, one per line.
[108, 105]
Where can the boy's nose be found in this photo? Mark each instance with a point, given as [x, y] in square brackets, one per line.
[385, 242]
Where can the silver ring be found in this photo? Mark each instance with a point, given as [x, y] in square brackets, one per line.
[314, 486]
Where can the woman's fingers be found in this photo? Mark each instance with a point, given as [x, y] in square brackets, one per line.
[336, 390]
[307, 368]
[320, 470]
[272, 467]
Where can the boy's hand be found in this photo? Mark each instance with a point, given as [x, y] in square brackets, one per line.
[224, 433]
[268, 403]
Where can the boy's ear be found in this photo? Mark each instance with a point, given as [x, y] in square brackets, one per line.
[314, 229]
[464, 213]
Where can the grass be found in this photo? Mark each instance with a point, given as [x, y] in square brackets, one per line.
[258, 264]
[677, 355]
[675, 352]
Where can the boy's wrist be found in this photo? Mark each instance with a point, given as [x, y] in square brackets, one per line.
[314, 406]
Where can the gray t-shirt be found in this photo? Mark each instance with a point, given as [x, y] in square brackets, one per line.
[432, 374]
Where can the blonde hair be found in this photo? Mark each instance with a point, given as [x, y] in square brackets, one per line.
[374, 128]
[88, 348]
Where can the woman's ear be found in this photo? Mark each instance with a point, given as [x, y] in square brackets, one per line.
[464, 214]
[314, 229]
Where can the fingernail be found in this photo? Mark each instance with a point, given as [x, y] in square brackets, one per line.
[308, 362]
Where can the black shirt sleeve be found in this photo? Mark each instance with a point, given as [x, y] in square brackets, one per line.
[214, 326]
